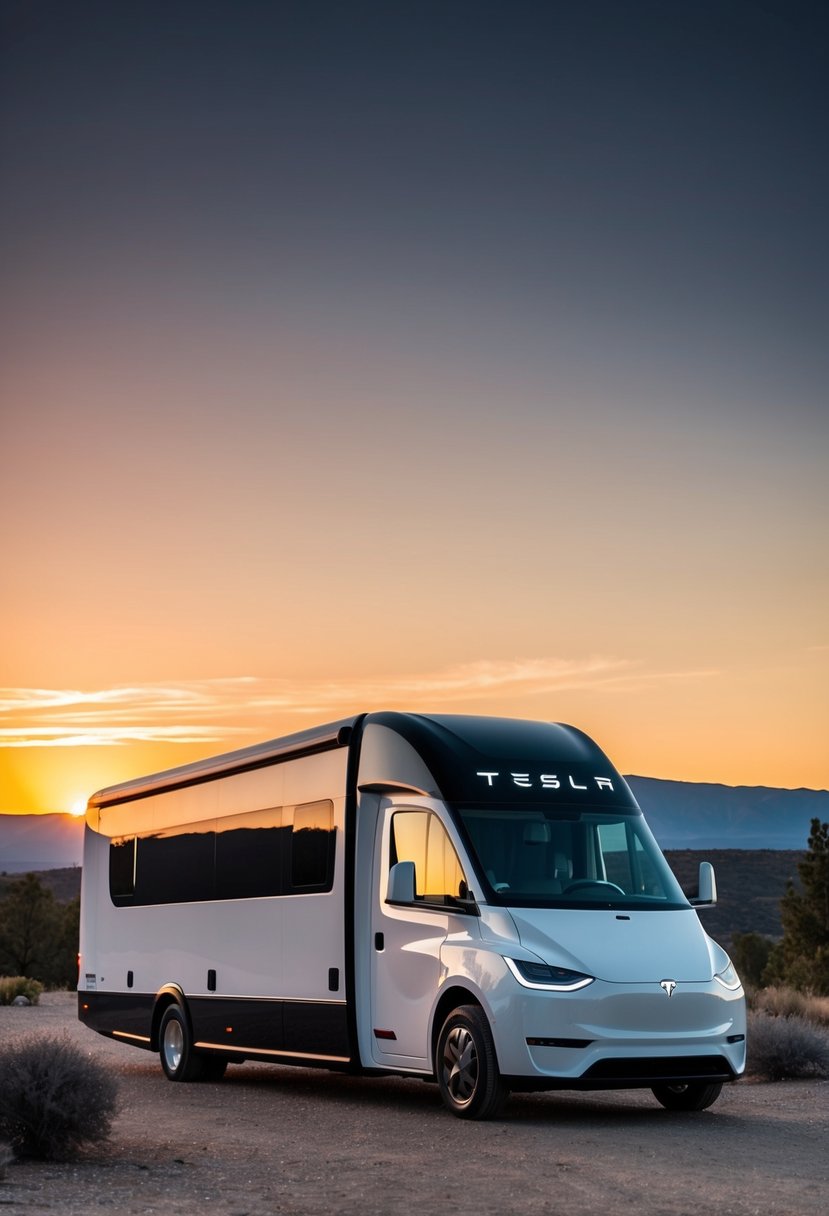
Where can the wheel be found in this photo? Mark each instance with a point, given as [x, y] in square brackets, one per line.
[178, 1059]
[466, 1065]
[694, 1095]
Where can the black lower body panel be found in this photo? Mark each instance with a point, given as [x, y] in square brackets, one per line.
[641, 1073]
[306, 1032]
[126, 1015]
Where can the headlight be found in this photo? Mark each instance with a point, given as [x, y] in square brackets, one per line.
[728, 977]
[550, 979]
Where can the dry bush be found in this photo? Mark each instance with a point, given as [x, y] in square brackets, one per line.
[12, 986]
[53, 1098]
[783, 1002]
[786, 1048]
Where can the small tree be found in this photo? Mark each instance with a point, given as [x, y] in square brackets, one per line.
[29, 927]
[65, 972]
[750, 955]
[802, 957]
[38, 935]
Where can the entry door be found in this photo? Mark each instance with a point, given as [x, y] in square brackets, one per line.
[406, 965]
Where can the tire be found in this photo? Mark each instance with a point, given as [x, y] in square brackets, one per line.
[466, 1065]
[694, 1095]
[175, 1047]
[213, 1068]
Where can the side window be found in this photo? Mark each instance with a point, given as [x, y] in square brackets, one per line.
[244, 856]
[176, 865]
[122, 870]
[419, 836]
[312, 847]
[249, 854]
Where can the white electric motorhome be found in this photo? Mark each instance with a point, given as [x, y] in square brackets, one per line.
[474, 900]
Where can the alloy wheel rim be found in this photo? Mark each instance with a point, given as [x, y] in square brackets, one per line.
[460, 1066]
[173, 1044]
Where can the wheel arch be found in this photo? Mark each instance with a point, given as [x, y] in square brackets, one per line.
[170, 994]
[450, 999]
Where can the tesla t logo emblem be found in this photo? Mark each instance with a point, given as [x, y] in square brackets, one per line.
[667, 986]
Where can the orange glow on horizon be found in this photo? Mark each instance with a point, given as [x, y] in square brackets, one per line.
[698, 726]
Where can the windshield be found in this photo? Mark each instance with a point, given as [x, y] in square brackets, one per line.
[561, 859]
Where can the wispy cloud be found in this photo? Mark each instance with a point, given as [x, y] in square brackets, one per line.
[192, 712]
[213, 710]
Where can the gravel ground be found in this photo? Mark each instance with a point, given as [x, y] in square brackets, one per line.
[285, 1140]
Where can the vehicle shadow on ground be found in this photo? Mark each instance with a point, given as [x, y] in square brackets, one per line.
[413, 1095]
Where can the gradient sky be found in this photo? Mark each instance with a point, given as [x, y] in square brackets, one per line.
[457, 356]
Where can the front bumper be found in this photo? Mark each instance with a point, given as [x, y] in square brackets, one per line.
[624, 1035]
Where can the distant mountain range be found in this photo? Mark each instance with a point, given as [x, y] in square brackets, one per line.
[691, 815]
[682, 815]
[40, 842]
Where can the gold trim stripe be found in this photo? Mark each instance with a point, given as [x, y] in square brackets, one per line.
[270, 1051]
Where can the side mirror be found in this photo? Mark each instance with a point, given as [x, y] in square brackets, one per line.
[706, 896]
[401, 883]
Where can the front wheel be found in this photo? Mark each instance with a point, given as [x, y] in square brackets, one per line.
[466, 1065]
[695, 1095]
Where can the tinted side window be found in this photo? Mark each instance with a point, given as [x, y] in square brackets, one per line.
[420, 837]
[176, 866]
[238, 857]
[122, 869]
[250, 852]
[312, 847]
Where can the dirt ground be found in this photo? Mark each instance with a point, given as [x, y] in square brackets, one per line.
[283, 1140]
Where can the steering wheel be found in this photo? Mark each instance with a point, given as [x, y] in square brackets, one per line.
[592, 882]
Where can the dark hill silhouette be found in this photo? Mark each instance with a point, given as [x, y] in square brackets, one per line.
[40, 842]
[750, 885]
[693, 815]
[65, 884]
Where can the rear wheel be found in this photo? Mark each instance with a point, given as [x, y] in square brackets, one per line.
[466, 1065]
[178, 1059]
[694, 1095]
[213, 1068]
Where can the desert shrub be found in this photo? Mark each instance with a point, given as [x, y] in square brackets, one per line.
[784, 1001]
[12, 986]
[786, 1048]
[53, 1098]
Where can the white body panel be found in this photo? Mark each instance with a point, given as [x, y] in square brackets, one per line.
[258, 947]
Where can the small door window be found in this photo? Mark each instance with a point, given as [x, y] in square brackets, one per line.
[419, 836]
[312, 847]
